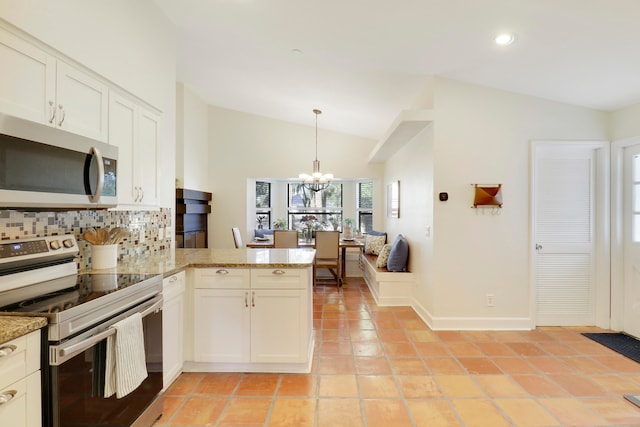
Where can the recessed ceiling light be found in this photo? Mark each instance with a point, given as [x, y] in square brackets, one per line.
[504, 39]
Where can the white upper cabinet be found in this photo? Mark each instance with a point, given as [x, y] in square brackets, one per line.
[38, 87]
[134, 130]
[147, 157]
[28, 79]
[82, 103]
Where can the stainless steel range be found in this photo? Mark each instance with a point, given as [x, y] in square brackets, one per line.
[40, 276]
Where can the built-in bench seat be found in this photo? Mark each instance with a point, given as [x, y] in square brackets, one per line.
[387, 287]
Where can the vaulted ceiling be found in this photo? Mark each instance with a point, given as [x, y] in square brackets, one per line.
[362, 61]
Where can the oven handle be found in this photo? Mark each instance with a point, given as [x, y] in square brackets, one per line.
[66, 352]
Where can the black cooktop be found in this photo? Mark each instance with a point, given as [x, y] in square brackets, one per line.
[66, 292]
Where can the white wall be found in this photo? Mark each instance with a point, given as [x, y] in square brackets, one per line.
[480, 135]
[413, 167]
[130, 43]
[244, 146]
[625, 123]
[192, 141]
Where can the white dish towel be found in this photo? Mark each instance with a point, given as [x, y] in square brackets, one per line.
[126, 367]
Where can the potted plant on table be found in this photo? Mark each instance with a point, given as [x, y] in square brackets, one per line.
[308, 223]
[347, 230]
[280, 224]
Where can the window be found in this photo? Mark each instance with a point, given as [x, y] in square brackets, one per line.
[365, 206]
[263, 205]
[325, 206]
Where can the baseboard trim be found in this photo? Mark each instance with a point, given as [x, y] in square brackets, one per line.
[471, 323]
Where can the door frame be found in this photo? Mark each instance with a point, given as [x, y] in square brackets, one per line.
[617, 229]
[602, 248]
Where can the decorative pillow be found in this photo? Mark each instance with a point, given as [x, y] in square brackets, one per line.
[381, 262]
[374, 233]
[373, 244]
[399, 254]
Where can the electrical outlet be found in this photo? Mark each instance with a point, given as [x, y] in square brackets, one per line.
[141, 239]
[489, 300]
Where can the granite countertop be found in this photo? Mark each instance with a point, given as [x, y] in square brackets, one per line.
[12, 327]
[174, 260]
[170, 262]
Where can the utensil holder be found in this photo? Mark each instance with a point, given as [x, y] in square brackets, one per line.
[104, 256]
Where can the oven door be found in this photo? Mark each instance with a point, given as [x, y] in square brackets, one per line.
[73, 389]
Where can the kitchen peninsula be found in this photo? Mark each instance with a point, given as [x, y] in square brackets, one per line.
[244, 310]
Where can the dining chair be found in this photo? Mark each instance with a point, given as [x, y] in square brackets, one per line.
[328, 255]
[285, 239]
[237, 238]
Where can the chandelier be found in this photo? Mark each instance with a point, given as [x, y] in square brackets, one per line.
[316, 181]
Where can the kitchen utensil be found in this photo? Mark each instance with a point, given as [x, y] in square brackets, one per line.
[103, 236]
[91, 236]
[119, 235]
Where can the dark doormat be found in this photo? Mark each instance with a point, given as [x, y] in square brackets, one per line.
[621, 343]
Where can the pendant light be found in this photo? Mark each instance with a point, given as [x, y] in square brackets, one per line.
[316, 181]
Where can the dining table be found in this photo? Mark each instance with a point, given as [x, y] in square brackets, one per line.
[344, 244]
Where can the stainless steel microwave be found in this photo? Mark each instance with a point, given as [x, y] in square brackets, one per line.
[44, 167]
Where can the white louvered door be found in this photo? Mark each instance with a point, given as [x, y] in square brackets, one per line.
[564, 206]
[632, 240]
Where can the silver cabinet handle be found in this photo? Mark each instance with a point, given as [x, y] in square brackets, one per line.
[7, 350]
[6, 396]
[173, 279]
[222, 272]
[63, 115]
[278, 272]
[52, 108]
[538, 246]
[253, 299]
[141, 193]
[137, 197]
[246, 299]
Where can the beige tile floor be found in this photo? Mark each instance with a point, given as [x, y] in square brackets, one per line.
[382, 366]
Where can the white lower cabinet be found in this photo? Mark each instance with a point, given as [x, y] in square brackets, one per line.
[252, 319]
[223, 322]
[20, 401]
[173, 288]
[279, 326]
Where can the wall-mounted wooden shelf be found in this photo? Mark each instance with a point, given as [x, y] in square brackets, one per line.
[408, 124]
[192, 208]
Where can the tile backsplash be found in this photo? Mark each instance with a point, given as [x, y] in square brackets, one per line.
[149, 231]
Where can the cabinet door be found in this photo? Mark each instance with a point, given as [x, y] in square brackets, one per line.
[122, 134]
[146, 160]
[28, 80]
[221, 325]
[173, 289]
[82, 103]
[279, 326]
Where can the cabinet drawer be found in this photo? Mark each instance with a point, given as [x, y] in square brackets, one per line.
[222, 278]
[19, 358]
[23, 407]
[279, 278]
[173, 285]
